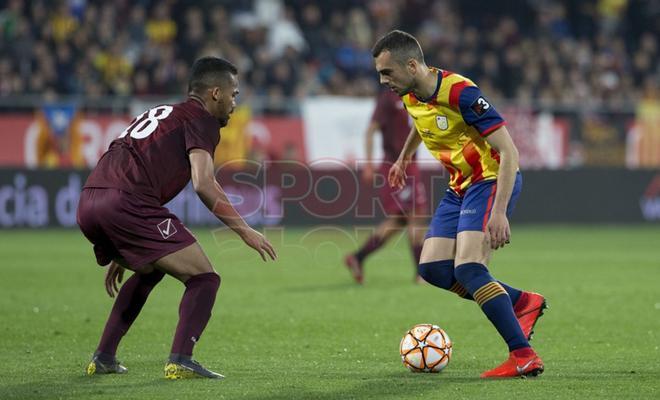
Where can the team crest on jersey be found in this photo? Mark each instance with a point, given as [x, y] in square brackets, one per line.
[442, 122]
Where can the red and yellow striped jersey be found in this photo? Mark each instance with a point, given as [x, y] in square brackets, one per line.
[453, 124]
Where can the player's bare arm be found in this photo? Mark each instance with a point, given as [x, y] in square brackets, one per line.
[397, 174]
[368, 171]
[215, 199]
[498, 228]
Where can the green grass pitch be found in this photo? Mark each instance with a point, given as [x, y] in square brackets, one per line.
[299, 328]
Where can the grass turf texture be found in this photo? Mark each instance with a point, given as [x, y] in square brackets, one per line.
[299, 328]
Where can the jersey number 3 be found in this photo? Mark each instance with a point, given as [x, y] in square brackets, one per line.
[146, 123]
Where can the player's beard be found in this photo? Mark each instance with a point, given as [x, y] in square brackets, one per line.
[224, 120]
[405, 90]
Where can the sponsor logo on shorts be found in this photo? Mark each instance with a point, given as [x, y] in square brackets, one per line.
[468, 211]
[166, 228]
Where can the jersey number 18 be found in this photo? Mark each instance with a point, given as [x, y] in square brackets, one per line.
[146, 123]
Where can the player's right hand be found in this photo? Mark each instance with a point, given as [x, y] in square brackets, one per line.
[397, 175]
[113, 277]
[258, 242]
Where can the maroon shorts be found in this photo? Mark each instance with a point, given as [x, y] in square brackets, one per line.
[409, 201]
[130, 226]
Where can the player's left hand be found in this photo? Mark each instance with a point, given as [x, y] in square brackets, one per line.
[498, 230]
[397, 174]
[258, 242]
[113, 277]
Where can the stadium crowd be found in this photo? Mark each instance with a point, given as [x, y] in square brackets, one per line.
[562, 52]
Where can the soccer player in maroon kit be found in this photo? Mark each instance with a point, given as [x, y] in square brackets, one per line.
[121, 212]
[405, 207]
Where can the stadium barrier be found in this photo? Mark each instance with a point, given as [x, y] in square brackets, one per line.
[67, 135]
[290, 193]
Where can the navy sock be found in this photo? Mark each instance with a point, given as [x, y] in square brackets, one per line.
[441, 274]
[494, 302]
[514, 294]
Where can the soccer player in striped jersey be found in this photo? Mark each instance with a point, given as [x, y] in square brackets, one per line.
[462, 129]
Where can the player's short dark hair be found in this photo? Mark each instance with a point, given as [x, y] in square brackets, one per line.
[209, 72]
[402, 45]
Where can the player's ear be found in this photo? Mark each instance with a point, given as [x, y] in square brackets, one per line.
[411, 65]
[216, 93]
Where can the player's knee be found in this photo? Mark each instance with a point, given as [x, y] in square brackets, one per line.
[438, 273]
[152, 278]
[471, 255]
[200, 267]
[215, 277]
[466, 272]
[210, 280]
[472, 247]
[437, 248]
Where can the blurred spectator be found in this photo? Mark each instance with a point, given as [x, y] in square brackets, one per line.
[648, 129]
[63, 24]
[284, 33]
[161, 28]
[115, 69]
[9, 19]
[555, 52]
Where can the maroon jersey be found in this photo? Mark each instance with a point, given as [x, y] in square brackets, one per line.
[151, 156]
[393, 121]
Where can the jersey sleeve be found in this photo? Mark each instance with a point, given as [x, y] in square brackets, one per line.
[478, 112]
[202, 133]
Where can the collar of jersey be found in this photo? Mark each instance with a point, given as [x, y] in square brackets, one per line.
[197, 101]
[432, 97]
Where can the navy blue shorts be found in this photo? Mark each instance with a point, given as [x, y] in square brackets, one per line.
[470, 212]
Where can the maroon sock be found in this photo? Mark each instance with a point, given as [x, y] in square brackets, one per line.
[372, 244]
[132, 296]
[194, 311]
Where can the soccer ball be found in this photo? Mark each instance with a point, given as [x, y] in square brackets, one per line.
[425, 348]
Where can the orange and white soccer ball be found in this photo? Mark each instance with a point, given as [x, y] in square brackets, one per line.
[425, 348]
